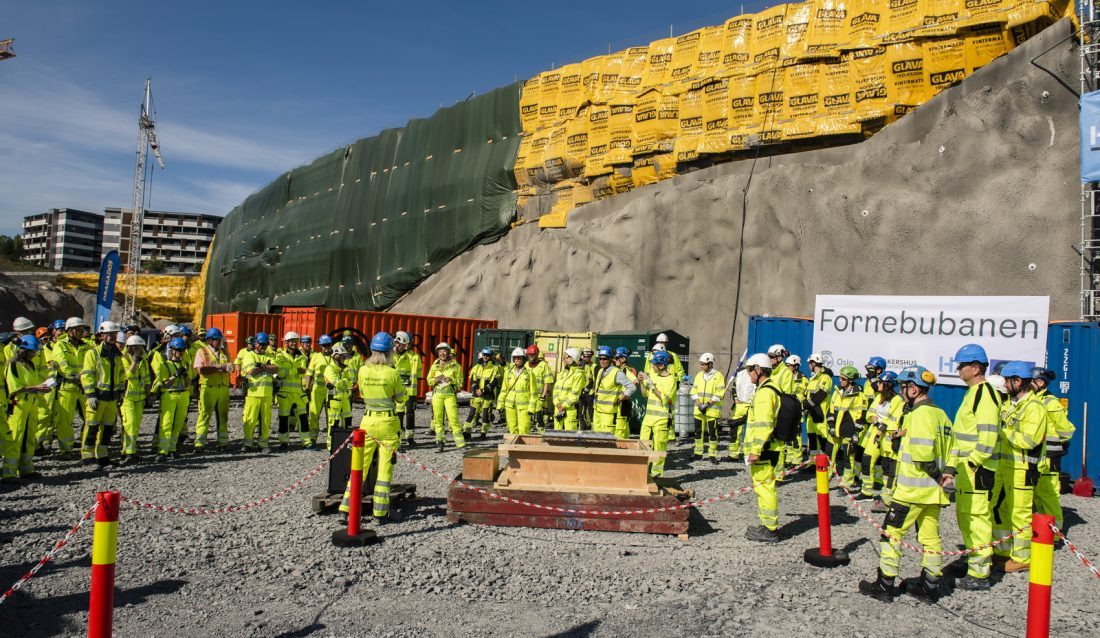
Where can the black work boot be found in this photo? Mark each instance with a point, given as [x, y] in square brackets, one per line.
[881, 589]
[441, 444]
[761, 534]
[970, 583]
[925, 588]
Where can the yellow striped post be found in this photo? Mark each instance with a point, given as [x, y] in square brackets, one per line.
[101, 600]
[1041, 576]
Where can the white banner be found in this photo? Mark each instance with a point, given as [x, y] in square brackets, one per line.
[928, 331]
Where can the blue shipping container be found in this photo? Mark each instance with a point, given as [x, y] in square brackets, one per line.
[1071, 347]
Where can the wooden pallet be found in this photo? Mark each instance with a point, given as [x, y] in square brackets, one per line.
[470, 506]
[328, 502]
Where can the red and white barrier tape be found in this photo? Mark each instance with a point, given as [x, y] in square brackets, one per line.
[49, 555]
[915, 548]
[195, 511]
[1076, 552]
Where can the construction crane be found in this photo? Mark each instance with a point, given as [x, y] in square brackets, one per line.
[147, 139]
[5, 49]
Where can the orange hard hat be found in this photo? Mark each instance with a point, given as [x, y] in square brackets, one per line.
[42, 332]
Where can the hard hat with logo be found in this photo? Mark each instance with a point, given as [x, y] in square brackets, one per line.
[213, 333]
[185, 331]
[171, 330]
[488, 352]
[876, 362]
[658, 347]
[402, 337]
[760, 360]
[777, 350]
[443, 345]
[339, 350]
[108, 327]
[917, 375]
[970, 353]
[662, 338]
[706, 357]
[135, 340]
[1046, 374]
[604, 351]
[889, 376]
[381, 342]
[518, 353]
[75, 322]
[324, 340]
[586, 350]
[58, 324]
[622, 352]
[1016, 369]
[661, 358]
[307, 339]
[262, 338]
[177, 343]
[793, 360]
[816, 358]
[849, 372]
[28, 342]
[22, 324]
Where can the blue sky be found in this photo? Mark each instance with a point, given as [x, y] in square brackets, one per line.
[245, 91]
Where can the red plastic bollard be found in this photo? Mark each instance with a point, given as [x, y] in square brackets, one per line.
[101, 598]
[824, 555]
[1040, 576]
[354, 536]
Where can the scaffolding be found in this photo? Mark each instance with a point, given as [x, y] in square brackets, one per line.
[1089, 18]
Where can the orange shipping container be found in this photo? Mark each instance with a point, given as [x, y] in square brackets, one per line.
[238, 326]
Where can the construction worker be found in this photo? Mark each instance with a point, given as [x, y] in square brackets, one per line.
[515, 393]
[355, 357]
[885, 417]
[782, 378]
[972, 465]
[626, 408]
[567, 391]
[918, 496]
[792, 454]
[819, 392]
[315, 382]
[68, 354]
[139, 381]
[613, 387]
[290, 398]
[1059, 432]
[340, 381]
[172, 380]
[484, 380]
[543, 378]
[706, 393]
[44, 432]
[307, 346]
[1023, 437]
[762, 450]
[588, 393]
[211, 364]
[677, 368]
[102, 378]
[445, 377]
[382, 388]
[875, 366]
[26, 385]
[847, 419]
[659, 388]
[22, 327]
[743, 391]
[259, 368]
[408, 364]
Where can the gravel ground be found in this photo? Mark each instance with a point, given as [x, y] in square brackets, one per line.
[272, 571]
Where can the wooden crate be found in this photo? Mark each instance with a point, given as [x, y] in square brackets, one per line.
[614, 467]
[481, 465]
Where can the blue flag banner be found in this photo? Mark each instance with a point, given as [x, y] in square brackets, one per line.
[1090, 137]
[105, 294]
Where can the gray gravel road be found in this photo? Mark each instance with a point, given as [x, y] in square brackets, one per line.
[272, 571]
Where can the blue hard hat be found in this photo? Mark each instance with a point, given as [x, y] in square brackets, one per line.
[971, 352]
[347, 338]
[1016, 369]
[877, 362]
[381, 342]
[307, 339]
[622, 352]
[177, 343]
[185, 331]
[28, 343]
[213, 333]
[262, 338]
[917, 375]
[661, 358]
[58, 324]
[889, 376]
[488, 352]
[604, 351]
[324, 340]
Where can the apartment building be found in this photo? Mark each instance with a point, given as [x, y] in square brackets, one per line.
[179, 239]
[63, 239]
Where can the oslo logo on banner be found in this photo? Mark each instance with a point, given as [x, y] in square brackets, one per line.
[928, 331]
[105, 294]
[1090, 137]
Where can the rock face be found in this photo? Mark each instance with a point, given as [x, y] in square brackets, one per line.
[39, 301]
[960, 197]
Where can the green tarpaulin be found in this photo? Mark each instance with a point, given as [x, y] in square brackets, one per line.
[363, 225]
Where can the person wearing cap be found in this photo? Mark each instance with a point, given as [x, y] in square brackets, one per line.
[886, 416]
[918, 495]
[743, 390]
[291, 399]
[567, 391]
[1059, 432]
[409, 365]
[660, 389]
[259, 369]
[847, 419]
[381, 387]
[103, 377]
[212, 365]
[445, 377]
[139, 382]
[588, 392]
[314, 380]
[762, 450]
[172, 382]
[516, 385]
[340, 380]
[26, 384]
[68, 355]
[484, 380]
[1021, 451]
[626, 405]
[819, 392]
[543, 378]
[972, 465]
[706, 393]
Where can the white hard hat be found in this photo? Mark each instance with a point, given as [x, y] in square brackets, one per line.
[998, 383]
[759, 359]
[777, 350]
[22, 324]
[75, 322]
[794, 360]
[518, 352]
[662, 338]
[706, 357]
[108, 326]
[573, 353]
[291, 336]
[339, 349]
[172, 329]
[134, 340]
[402, 337]
[817, 358]
[659, 347]
[443, 345]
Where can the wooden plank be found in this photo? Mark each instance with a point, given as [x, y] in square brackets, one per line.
[504, 507]
[676, 528]
[606, 501]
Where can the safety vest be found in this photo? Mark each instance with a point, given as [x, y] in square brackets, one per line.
[212, 358]
[763, 413]
[708, 390]
[873, 398]
[660, 406]
[608, 390]
[452, 370]
[103, 373]
[483, 375]
[976, 429]
[171, 376]
[541, 375]
[318, 362]
[1059, 428]
[851, 401]
[567, 391]
[922, 455]
[821, 382]
[1023, 434]
[138, 380]
[339, 381]
[289, 377]
[261, 384]
[515, 388]
[69, 358]
[410, 367]
[381, 388]
[888, 414]
[783, 378]
[22, 375]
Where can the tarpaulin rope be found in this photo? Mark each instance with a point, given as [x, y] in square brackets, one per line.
[49, 555]
[196, 511]
[1076, 552]
[916, 548]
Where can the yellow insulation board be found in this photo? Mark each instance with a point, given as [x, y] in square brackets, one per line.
[168, 297]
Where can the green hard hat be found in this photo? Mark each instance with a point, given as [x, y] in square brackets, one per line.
[849, 372]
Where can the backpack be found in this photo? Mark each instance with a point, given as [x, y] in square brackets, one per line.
[788, 423]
